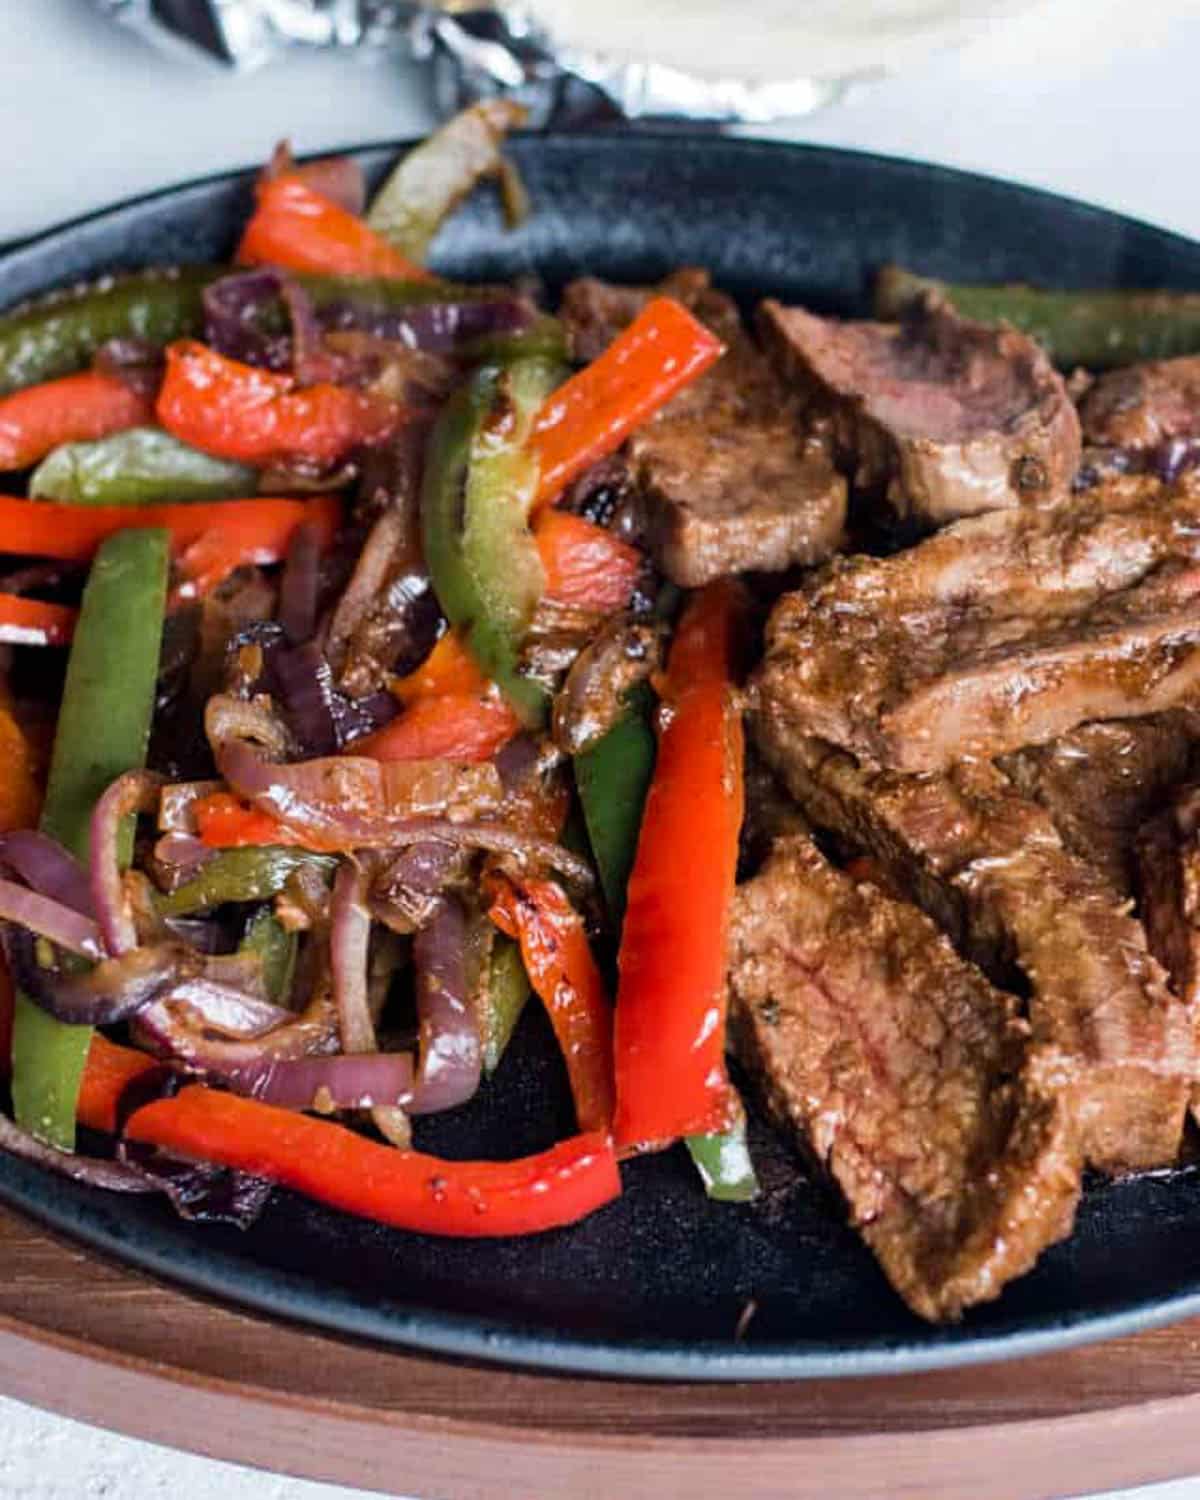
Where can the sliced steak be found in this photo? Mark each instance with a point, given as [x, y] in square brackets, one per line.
[1101, 782]
[732, 478]
[1143, 406]
[990, 868]
[1168, 855]
[904, 1070]
[1000, 631]
[941, 416]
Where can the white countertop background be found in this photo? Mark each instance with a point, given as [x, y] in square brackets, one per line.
[1095, 98]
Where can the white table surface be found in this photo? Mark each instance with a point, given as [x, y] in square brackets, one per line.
[1096, 98]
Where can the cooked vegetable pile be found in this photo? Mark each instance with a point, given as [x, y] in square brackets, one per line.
[301, 523]
[377, 656]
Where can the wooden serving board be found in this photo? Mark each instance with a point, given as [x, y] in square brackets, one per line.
[94, 1340]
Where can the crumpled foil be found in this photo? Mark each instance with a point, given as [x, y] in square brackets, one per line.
[472, 51]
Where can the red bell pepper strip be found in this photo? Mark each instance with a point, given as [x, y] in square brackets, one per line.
[405, 1189]
[302, 230]
[452, 711]
[260, 529]
[108, 1072]
[224, 821]
[31, 622]
[254, 416]
[585, 565]
[448, 669]
[671, 998]
[592, 414]
[454, 727]
[21, 773]
[75, 409]
[562, 971]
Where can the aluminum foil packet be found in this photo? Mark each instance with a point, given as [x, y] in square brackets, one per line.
[472, 51]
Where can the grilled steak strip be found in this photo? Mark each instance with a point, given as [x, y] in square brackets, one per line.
[1101, 782]
[941, 416]
[1168, 857]
[998, 632]
[731, 478]
[988, 865]
[1143, 406]
[903, 1069]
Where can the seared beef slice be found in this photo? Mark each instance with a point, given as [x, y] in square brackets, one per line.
[1001, 631]
[1143, 406]
[990, 868]
[731, 478]
[1101, 782]
[902, 1068]
[1168, 853]
[943, 416]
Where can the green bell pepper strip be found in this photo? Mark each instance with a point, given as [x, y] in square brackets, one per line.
[724, 1164]
[613, 777]
[59, 334]
[1096, 329]
[103, 731]
[507, 992]
[477, 492]
[253, 873]
[276, 948]
[142, 466]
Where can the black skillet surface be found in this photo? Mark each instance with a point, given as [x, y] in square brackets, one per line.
[654, 1284]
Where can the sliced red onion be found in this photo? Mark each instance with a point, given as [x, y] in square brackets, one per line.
[405, 894]
[387, 619]
[200, 1191]
[224, 991]
[300, 585]
[300, 679]
[178, 1031]
[204, 934]
[349, 952]
[181, 1029]
[371, 1080]
[431, 327]
[136, 362]
[322, 718]
[237, 309]
[311, 361]
[305, 691]
[114, 1177]
[132, 793]
[227, 1011]
[228, 993]
[116, 989]
[349, 943]
[65, 927]
[344, 801]
[45, 866]
[451, 1057]
[177, 857]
